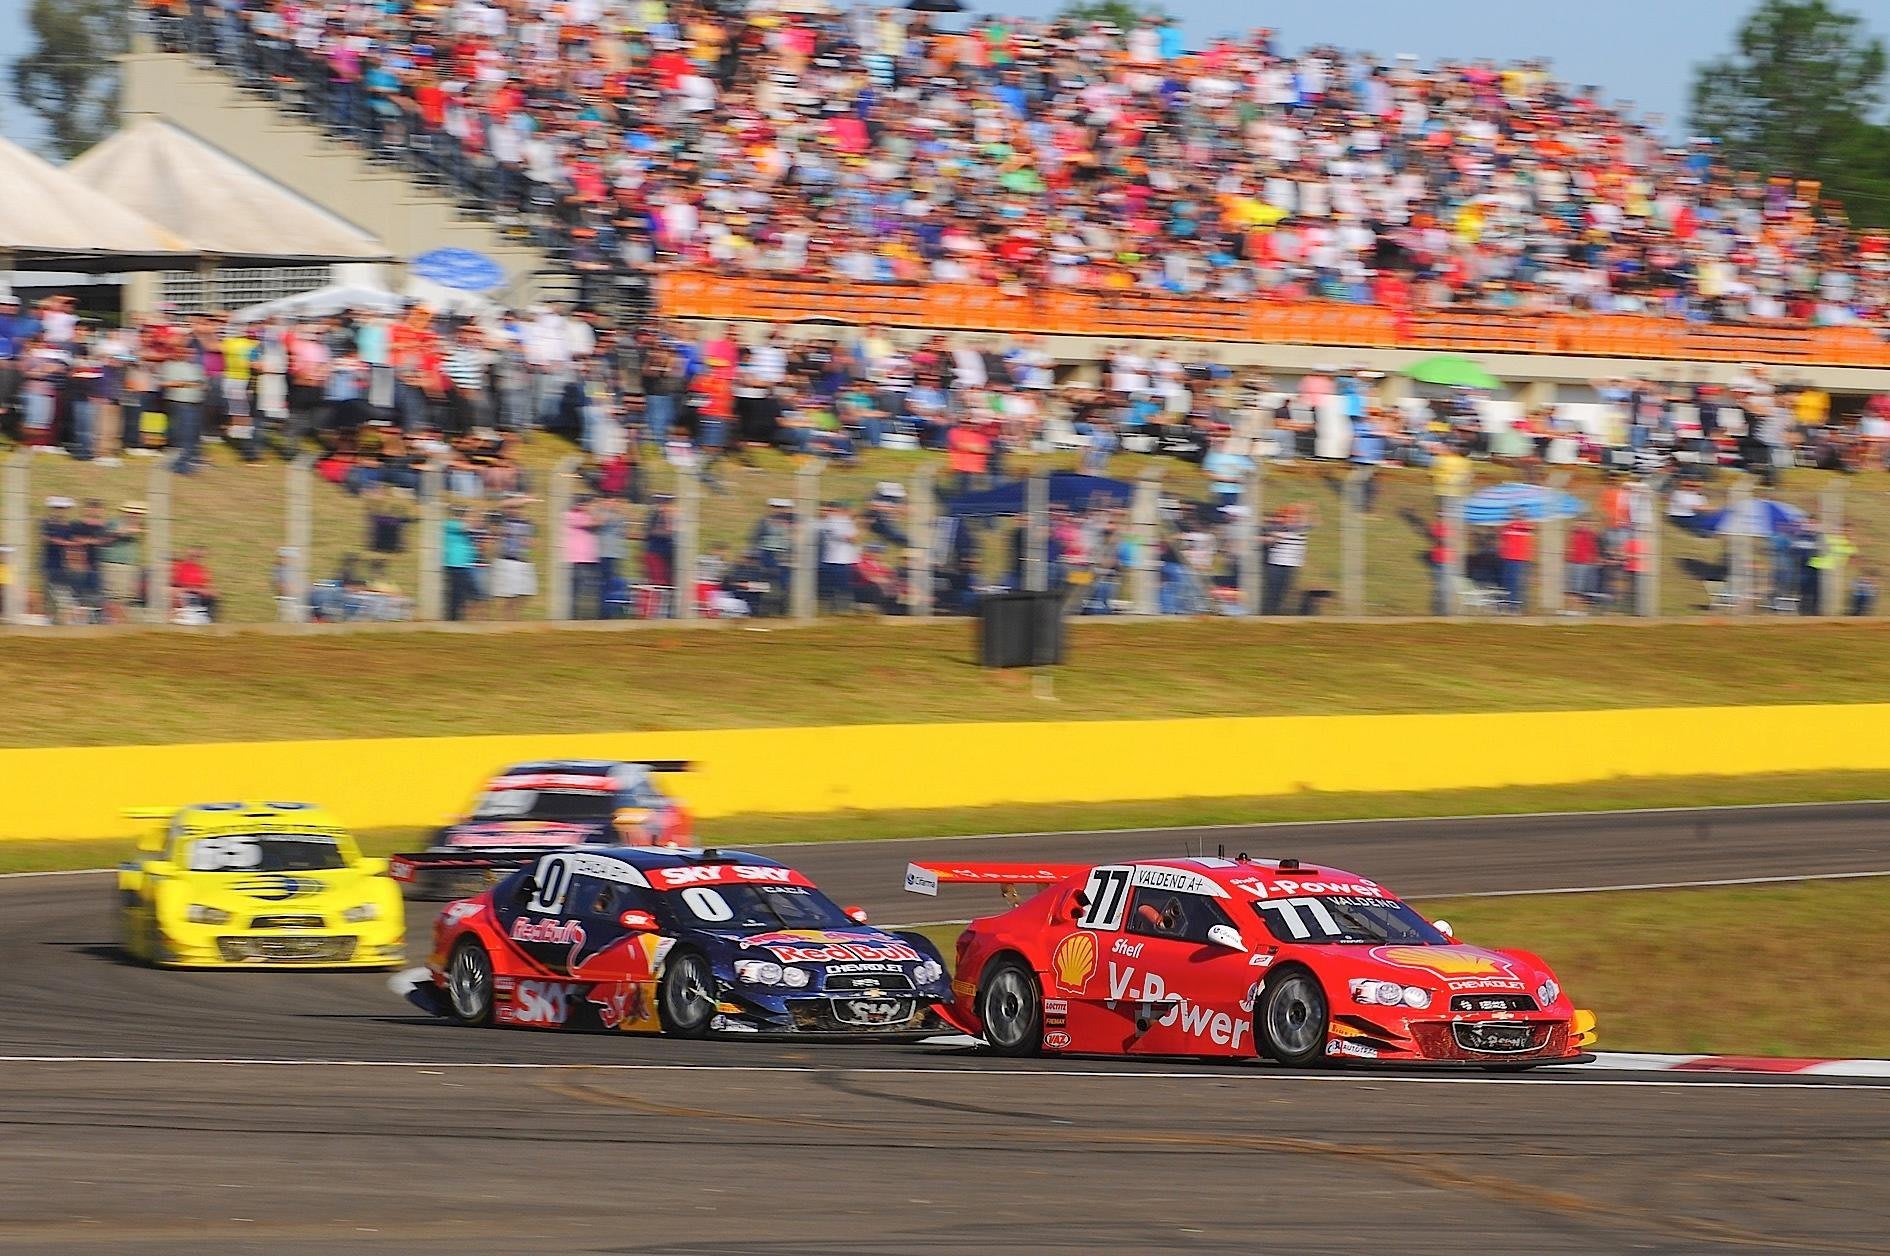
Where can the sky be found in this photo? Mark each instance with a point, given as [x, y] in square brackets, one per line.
[1638, 50]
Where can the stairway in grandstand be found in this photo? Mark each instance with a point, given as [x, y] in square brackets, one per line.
[267, 131]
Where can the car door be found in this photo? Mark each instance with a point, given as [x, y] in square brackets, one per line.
[1184, 990]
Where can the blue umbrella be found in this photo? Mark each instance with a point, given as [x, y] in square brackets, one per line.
[1759, 517]
[1504, 502]
[459, 268]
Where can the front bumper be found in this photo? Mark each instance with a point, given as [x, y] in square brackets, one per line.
[211, 947]
[1488, 1040]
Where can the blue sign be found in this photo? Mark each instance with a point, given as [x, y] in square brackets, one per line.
[458, 268]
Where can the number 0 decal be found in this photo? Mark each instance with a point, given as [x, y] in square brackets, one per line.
[551, 879]
[1108, 894]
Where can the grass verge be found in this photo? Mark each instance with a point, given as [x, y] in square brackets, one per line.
[1624, 793]
[1744, 970]
[117, 689]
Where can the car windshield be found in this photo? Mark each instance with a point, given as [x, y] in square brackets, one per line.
[1345, 918]
[545, 804]
[760, 907]
[264, 852]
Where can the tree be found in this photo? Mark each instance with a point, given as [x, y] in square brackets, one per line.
[70, 78]
[1799, 97]
[1121, 14]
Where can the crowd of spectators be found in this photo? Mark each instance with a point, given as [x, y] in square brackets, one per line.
[876, 144]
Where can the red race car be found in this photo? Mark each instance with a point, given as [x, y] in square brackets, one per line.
[1238, 958]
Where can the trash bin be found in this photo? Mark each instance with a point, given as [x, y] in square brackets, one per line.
[1020, 630]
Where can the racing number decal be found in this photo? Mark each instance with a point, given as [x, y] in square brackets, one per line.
[1108, 894]
[224, 854]
[707, 904]
[550, 881]
[1288, 909]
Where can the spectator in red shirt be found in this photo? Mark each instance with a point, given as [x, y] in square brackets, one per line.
[1584, 559]
[1515, 550]
[192, 584]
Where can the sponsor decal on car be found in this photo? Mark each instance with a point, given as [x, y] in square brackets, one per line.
[819, 946]
[1179, 880]
[540, 1003]
[1446, 961]
[1073, 963]
[921, 880]
[1178, 1010]
[549, 932]
[624, 1005]
[1056, 1040]
[1125, 947]
[723, 874]
[1056, 1013]
[1344, 1046]
[464, 910]
[277, 887]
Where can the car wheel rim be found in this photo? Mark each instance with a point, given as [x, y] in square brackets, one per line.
[690, 1000]
[1007, 1008]
[1294, 1019]
[468, 983]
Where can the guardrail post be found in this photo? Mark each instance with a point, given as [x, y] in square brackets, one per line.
[1454, 557]
[688, 538]
[1247, 535]
[1646, 508]
[430, 597]
[1552, 570]
[921, 526]
[17, 488]
[1741, 577]
[1352, 540]
[1037, 532]
[157, 541]
[804, 579]
[558, 607]
[1835, 550]
[298, 534]
[1143, 526]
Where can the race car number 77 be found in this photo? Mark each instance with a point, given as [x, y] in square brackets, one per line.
[1107, 894]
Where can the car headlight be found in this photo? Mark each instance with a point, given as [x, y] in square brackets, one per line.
[203, 914]
[758, 972]
[796, 977]
[366, 911]
[1388, 993]
[1547, 993]
[928, 972]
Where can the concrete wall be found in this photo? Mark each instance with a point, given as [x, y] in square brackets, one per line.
[389, 204]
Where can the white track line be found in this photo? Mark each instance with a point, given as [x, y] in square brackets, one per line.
[1299, 824]
[1553, 1076]
[1660, 885]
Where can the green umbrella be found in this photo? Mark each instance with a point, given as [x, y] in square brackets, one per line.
[1450, 371]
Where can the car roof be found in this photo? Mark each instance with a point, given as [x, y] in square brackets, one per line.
[205, 818]
[575, 767]
[647, 857]
[1226, 871]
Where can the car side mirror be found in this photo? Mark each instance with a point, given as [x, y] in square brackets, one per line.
[152, 842]
[374, 867]
[1443, 927]
[160, 868]
[856, 914]
[639, 922]
[1227, 936]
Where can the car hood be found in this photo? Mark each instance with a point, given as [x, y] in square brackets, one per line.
[250, 891]
[822, 946]
[1457, 967]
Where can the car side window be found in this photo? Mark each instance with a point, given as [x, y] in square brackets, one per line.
[1160, 913]
[606, 900]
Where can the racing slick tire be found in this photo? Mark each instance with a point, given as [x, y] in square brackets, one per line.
[469, 983]
[1010, 1008]
[1290, 1021]
[685, 998]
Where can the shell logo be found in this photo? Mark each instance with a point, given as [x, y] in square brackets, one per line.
[1073, 963]
[1445, 961]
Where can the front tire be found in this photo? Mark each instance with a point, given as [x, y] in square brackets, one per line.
[469, 983]
[1010, 1008]
[686, 996]
[1291, 1020]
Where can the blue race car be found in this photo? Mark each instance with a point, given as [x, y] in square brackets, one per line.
[676, 941]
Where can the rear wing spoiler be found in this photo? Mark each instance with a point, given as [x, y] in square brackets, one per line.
[154, 815]
[665, 765]
[407, 868]
[925, 878]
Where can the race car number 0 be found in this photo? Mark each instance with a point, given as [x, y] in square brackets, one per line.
[549, 882]
[1107, 894]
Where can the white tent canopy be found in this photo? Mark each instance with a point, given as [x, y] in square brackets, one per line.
[51, 221]
[226, 209]
[340, 298]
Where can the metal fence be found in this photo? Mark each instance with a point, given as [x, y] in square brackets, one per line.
[808, 539]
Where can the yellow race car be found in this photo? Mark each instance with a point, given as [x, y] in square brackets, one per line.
[256, 884]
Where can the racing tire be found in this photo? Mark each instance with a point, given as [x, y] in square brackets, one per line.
[469, 983]
[1010, 1009]
[685, 998]
[1291, 1019]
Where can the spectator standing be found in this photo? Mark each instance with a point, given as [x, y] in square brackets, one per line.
[613, 552]
[1285, 540]
[1515, 550]
[514, 577]
[580, 554]
[194, 588]
[459, 559]
[839, 555]
[119, 560]
[184, 385]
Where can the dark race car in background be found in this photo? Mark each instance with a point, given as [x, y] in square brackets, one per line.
[683, 942]
[553, 804]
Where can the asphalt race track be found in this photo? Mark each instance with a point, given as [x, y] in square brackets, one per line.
[301, 1112]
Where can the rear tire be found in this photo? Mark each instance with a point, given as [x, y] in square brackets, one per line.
[1291, 1019]
[1010, 1009]
[469, 983]
[685, 997]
